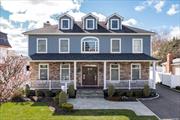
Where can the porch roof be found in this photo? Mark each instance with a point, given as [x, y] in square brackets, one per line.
[92, 56]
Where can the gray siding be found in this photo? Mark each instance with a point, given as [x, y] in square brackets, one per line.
[75, 43]
[89, 17]
[66, 17]
[114, 17]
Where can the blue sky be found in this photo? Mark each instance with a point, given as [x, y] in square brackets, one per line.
[18, 16]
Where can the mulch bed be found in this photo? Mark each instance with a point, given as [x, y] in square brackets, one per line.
[121, 98]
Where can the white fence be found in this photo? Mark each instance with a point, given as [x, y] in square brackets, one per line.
[168, 79]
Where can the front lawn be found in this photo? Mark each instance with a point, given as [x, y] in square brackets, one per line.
[40, 111]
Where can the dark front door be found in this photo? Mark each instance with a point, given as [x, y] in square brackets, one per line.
[89, 76]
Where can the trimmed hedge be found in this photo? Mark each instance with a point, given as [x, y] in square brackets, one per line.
[67, 107]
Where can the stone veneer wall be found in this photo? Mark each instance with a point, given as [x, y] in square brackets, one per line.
[125, 71]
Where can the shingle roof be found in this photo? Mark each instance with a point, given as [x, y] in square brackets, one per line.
[100, 56]
[78, 28]
[3, 40]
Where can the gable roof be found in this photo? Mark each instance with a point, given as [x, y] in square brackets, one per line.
[90, 14]
[3, 40]
[65, 14]
[78, 29]
[114, 14]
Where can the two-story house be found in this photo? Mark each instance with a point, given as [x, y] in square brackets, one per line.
[90, 53]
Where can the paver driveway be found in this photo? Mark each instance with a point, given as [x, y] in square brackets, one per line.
[167, 106]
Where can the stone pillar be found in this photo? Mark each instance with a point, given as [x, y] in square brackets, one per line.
[104, 75]
[75, 73]
[169, 62]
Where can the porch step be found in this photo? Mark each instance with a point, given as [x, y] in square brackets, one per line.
[89, 93]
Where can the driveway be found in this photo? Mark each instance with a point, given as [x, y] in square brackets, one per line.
[167, 106]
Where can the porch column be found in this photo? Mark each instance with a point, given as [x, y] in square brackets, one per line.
[154, 75]
[104, 75]
[75, 70]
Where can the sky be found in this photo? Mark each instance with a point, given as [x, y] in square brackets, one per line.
[17, 16]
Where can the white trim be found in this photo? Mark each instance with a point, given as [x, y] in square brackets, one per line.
[111, 71]
[141, 45]
[139, 69]
[87, 24]
[117, 24]
[69, 68]
[37, 43]
[60, 44]
[75, 75]
[112, 46]
[62, 23]
[43, 68]
[92, 60]
[84, 46]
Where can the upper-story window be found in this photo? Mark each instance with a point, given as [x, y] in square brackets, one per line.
[65, 24]
[137, 45]
[114, 24]
[41, 45]
[64, 45]
[90, 45]
[89, 24]
[115, 45]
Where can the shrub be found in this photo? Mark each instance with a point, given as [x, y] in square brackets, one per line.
[67, 107]
[146, 90]
[48, 93]
[17, 96]
[111, 90]
[129, 93]
[177, 87]
[71, 91]
[62, 98]
[27, 91]
[138, 93]
[39, 93]
[56, 99]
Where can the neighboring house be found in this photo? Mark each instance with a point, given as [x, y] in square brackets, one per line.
[90, 53]
[4, 46]
[172, 65]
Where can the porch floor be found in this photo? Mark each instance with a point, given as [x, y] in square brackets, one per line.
[101, 103]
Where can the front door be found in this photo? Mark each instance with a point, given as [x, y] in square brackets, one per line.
[89, 76]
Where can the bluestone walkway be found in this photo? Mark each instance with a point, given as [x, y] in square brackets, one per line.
[101, 103]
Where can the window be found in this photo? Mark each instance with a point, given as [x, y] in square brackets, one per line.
[115, 45]
[65, 23]
[42, 45]
[90, 45]
[114, 72]
[114, 24]
[135, 71]
[43, 71]
[64, 45]
[90, 24]
[65, 72]
[137, 46]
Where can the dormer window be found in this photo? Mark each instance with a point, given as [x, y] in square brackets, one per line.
[90, 24]
[65, 24]
[114, 24]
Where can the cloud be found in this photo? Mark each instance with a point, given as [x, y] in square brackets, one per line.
[159, 5]
[173, 10]
[139, 8]
[174, 32]
[130, 22]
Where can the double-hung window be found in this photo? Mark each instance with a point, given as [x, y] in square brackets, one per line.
[114, 24]
[43, 71]
[65, 72]
[114, 71]
[115, 45]
[65, 23]
[90, 45]
[64, 45]
[135, 71]
[90, 24]
[41, 45]
[137, 45]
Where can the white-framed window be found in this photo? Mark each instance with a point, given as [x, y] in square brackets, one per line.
[90, 25]
[41, 45]
[64, 45]
[65, 24]
[114, 72]
[115, 45]
[89, 45]
[114, 24]
[43, 71]
[65, 72]
[135, 71]
[137, 45]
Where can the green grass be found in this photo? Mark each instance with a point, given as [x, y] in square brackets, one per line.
[40, 111]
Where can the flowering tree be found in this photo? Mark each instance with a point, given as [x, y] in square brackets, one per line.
[13, 76]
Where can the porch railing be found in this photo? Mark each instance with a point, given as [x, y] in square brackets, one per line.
[48, 84]
[129, 84]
